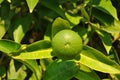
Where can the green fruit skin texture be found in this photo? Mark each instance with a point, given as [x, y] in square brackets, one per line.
[67, 44]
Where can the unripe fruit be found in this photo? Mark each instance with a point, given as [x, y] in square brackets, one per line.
[67, 44]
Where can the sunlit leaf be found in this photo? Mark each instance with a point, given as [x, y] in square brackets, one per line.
[19, 74]
[32, 4]
[115, 76]
[40, 54]
[34, 67]
[73, 19]
[114, 28]
[1, 1]
[21, 27]
[96, 60]
[105, 6]
[2, 29]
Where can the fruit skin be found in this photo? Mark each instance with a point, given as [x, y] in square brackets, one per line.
[67, 44]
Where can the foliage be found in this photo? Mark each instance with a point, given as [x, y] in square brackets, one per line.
[27, 28]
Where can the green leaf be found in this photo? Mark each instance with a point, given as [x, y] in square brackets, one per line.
[40, 54]
[48, 32]
[111, 24]
[34, 67]
[42, 44]
[32, 4]
[115, 76]
[45, 62]
[43, 12]
[59, 24]
[85, 73]
[2, 71]
[83, 32]
[32, 77]
[2, 29]
[21, 27]
[4, 10]
[18, 74]
[114, 55]
[1, 1]
[85, 14]
[105, 6]
[63, 1]
[73, 19]
[53, 5]
[114, 28]
[106, 39]
[61, 70]
[103, 17]
[98, 61]
[8, 46]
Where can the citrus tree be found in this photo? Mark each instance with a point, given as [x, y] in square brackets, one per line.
[59, 39]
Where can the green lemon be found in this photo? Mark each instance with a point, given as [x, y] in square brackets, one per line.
[67, 44]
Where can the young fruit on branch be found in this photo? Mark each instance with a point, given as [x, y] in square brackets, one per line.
[67, 44]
